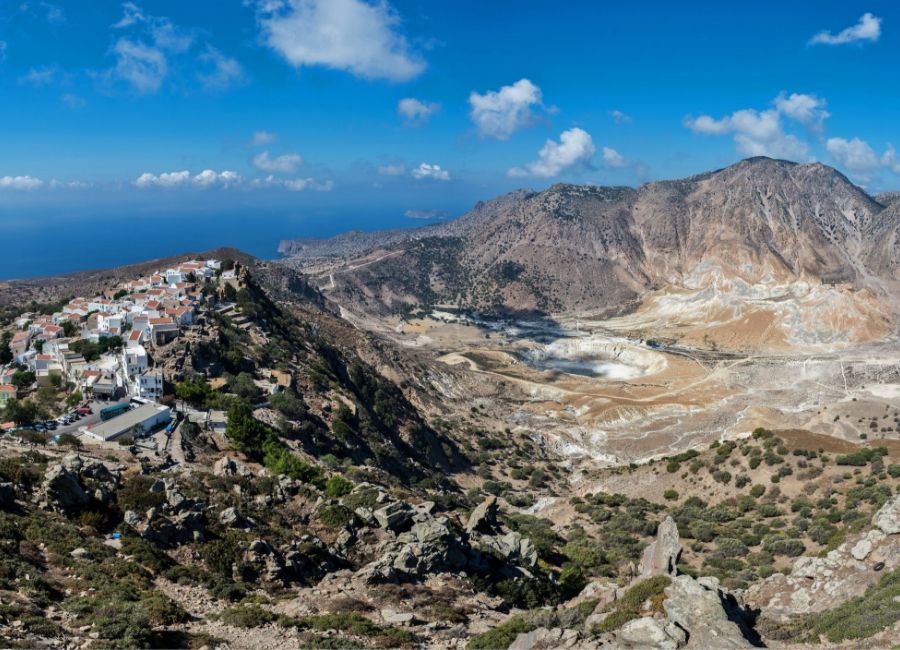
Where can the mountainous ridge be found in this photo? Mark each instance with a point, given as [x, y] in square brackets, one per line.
[582, 249]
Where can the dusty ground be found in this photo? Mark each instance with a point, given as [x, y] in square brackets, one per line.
[608, 394]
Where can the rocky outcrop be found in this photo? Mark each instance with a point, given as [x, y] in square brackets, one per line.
[429, 547]
[546, 639]
[887, 520]
[394, 516]
[179, 520]
[71, 483]
[430, 544]
[696, 607]
[483, 518]
[227, 466]
[661, 555]
[648, 632]
[511, 547]
[302, 561]
[817, 584]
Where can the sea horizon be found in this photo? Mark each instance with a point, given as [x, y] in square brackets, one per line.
[50, 245]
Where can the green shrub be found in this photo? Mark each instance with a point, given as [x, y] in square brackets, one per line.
[135, 494]
[361, 498]
[857, 618]
[337, 486]
[862, 457]
[501, 636]
[335, 515]
[628, 607]
[670, 495]
[246, 616]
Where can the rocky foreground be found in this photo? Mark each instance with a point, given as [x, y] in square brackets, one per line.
[388, 571]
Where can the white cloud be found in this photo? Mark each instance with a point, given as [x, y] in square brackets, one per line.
[889, 159]
[205, 179]
[208, 178]
[262, 137]
[612, 158]
[350, 35]
[293, 185]
[498, 114]
[73, 101]
[68, 185]
[221, 72]
[141, 66]
[2, 51]
[416, 111]
[55, 13]
[149, 47]
[41, 75]
[167, 179]
[392, 170]
[131, 15]
[300, 184]
[809, 110]
[855, 155]
[20, 182]
[575, 149]
[762, 133]
[619, 117]
[867, 29]
[707, 125]
[434, 172]
[284, 164]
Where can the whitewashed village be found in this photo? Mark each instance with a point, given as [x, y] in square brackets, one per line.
[87, 370]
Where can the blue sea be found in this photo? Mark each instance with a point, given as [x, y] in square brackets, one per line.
[55, 243]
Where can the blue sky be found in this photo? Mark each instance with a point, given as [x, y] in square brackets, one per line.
[390, 110]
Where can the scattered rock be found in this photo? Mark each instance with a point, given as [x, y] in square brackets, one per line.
[512, 547]
[393, 617]
[861, 549]
[545, 639]
[699, 611]
[231, 518]
[61, 489]
[604, 592]
[80, 554]
[646, 633]
[394, 516]
[228, 466]
[661, 555]
[484, 517]
[887, 519]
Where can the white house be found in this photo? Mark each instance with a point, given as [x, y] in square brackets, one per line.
[135, 360]
[101, 305]
[135, 338]
[174, 276]
[148, 385]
